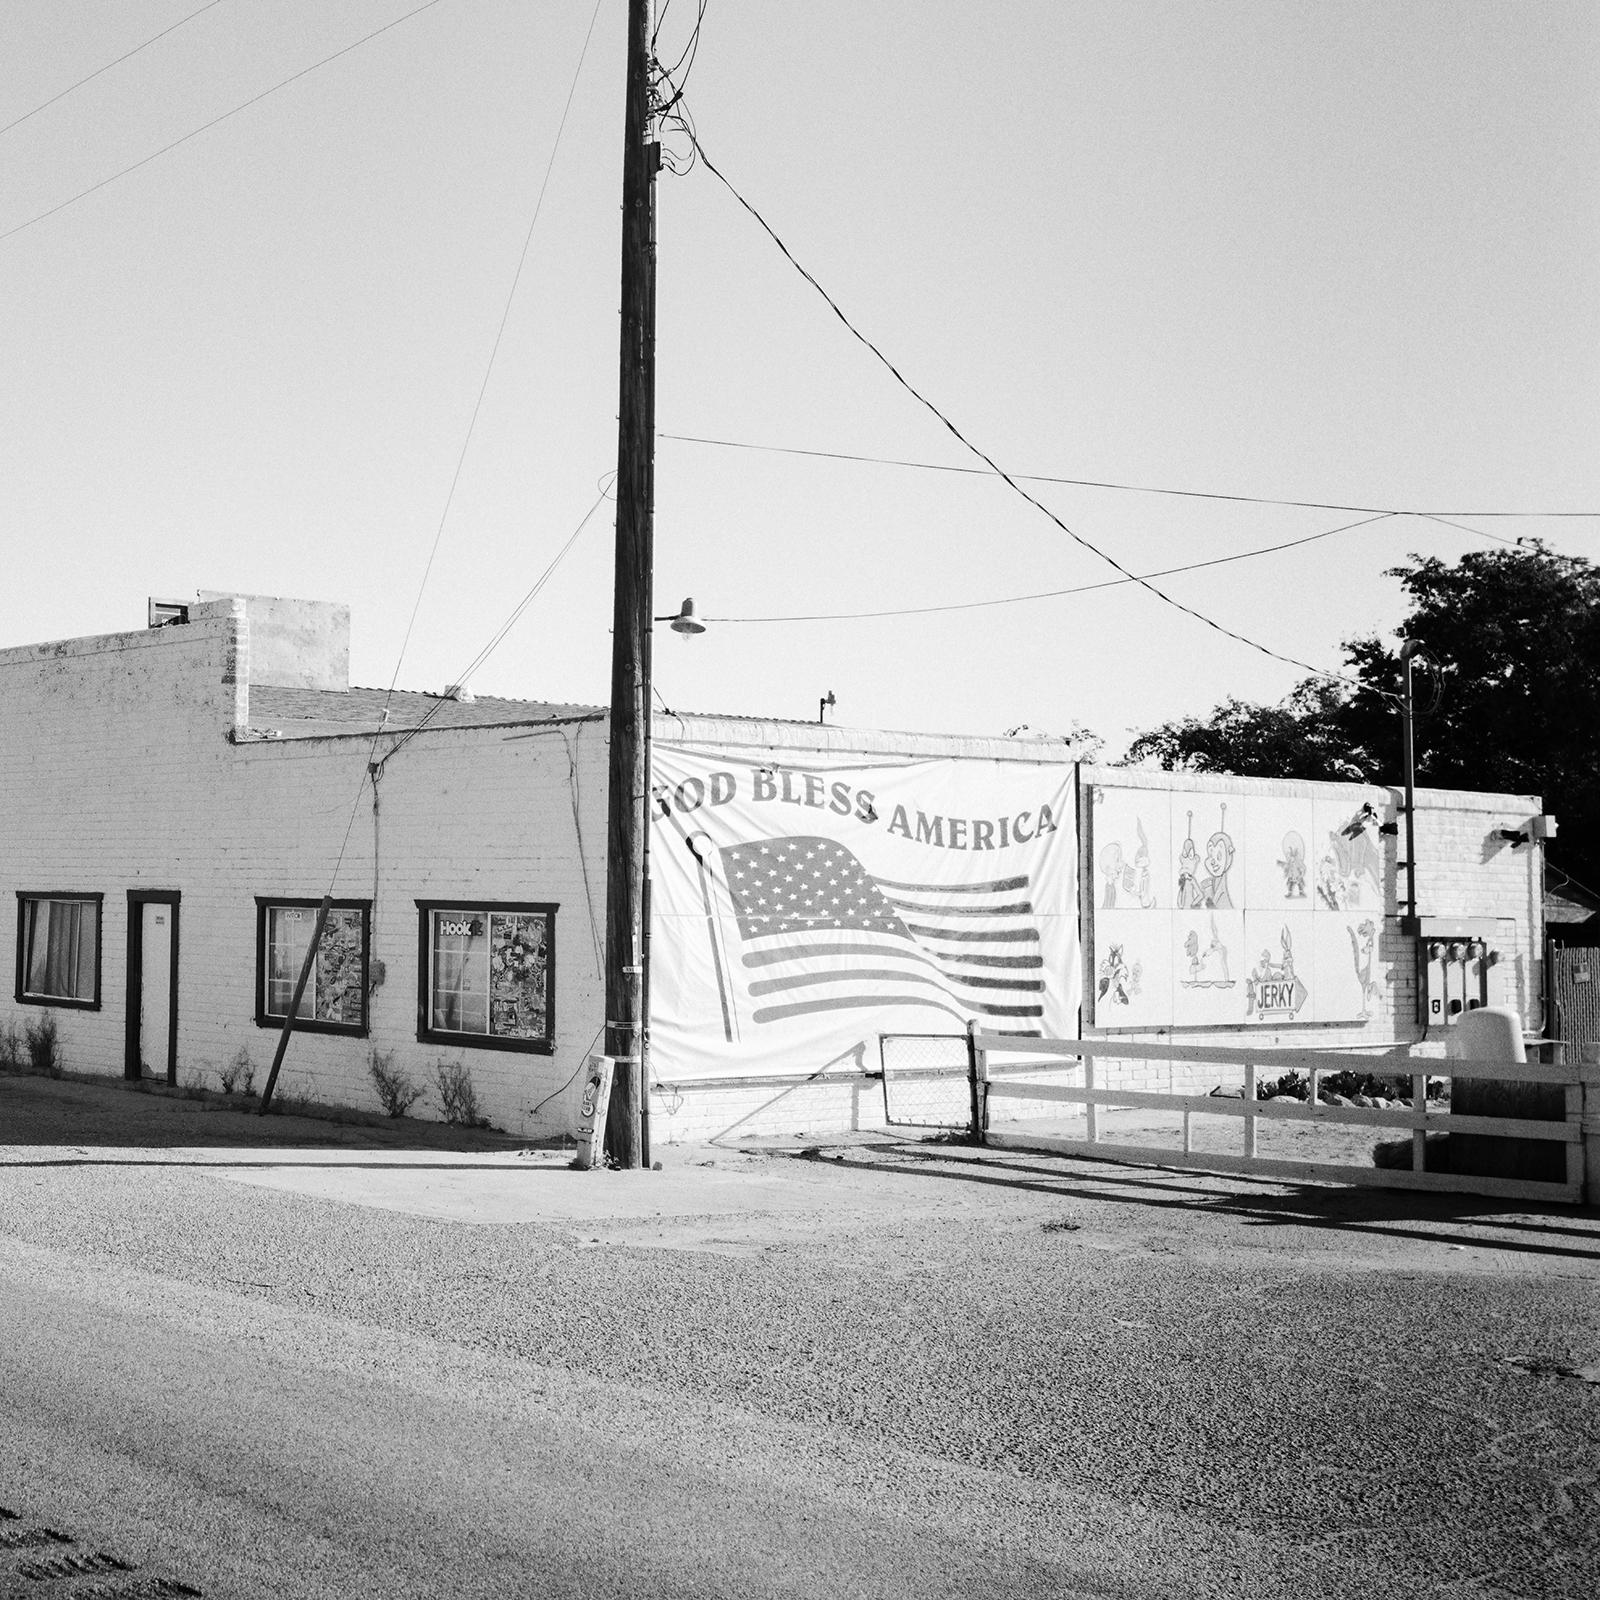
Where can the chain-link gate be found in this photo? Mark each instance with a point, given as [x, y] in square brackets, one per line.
[1575, 989]
[925, 1081]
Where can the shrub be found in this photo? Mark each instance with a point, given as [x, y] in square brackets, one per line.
[11, 1048]
[458, 1100]
[240, 1073]
[396, 1091]
[1291, 1084]
[44, 1046]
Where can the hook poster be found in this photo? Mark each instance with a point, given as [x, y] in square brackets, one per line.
[801, 908]
[1216, 909]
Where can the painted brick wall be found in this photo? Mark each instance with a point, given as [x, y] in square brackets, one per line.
[1464, 869]
[125, 767]
[122, 771]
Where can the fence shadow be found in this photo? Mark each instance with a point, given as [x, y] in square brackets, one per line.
[1410, 1214]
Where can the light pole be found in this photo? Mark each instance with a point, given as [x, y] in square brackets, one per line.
[1410, 922]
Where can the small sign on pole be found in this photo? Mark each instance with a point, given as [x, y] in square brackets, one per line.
[591, 1129]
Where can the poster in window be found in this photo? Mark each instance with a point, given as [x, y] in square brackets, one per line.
[339, 969]
[518, 972]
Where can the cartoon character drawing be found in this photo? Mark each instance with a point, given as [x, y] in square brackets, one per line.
[1132, 879]
[1118, 981]
[1219, 862]
[1293, 866]
[1208, 968]
[1350, 869]
[1273, 991]
[1188, 872]
[1137, 879]
[1111, 871]
[1363, 945]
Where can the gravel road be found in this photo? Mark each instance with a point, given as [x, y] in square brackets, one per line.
[362, 1362]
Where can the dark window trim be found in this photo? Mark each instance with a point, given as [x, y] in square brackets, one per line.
[484, 1041]
[271, 1019]
[23, 998]
[137, 900]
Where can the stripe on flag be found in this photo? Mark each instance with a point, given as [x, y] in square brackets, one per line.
[819, 933]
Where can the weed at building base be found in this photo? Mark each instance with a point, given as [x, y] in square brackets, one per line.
[44, 1046]
[458, 1099]
[397, 1093]
[240, 1073]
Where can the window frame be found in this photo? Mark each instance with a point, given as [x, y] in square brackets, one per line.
[426, 1033]
[27, 897]
[275, 1019]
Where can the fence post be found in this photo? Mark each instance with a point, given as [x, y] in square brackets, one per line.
[1419, 1134]
[977, 1082]
[1589, 1073]
[1249, 1115]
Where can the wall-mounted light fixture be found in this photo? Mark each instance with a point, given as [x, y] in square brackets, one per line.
[1533, 828]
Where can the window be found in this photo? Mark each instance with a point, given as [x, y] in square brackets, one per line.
[58, 949]
[486, 974]
[335, 998]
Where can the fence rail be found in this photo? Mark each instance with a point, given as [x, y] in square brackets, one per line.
[1578, 1130]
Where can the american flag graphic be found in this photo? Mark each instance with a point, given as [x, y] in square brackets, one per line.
[818, 932]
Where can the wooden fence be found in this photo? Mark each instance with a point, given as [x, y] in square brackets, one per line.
[1578, 1130]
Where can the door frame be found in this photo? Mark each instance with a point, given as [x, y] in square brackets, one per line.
[138, 899]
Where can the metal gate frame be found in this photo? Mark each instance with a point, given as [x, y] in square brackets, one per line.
[944, 1100]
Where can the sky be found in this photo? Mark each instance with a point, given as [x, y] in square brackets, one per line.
[1346, 254]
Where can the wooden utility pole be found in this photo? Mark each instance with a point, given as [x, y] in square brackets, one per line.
[627, 822]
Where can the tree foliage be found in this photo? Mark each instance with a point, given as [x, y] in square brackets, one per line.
[1509, 701]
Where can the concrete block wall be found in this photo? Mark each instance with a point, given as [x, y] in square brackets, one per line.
[128, 765]
[113, 752]
[125, 768]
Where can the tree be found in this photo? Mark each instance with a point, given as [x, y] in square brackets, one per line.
[1511, 700]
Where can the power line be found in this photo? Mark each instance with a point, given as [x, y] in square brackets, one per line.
[1433, 516]
[1096, 483]
[44, 105]
[455, 478]
[505, 316]
[1082, 588]
[497, 638]
[166, 149]
[989, 461]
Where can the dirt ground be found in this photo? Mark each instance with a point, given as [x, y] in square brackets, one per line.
[881, 1365]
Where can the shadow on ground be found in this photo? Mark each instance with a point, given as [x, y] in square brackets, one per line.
[1526, 1228]
[87, 1114]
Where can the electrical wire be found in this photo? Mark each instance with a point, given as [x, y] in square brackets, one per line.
[1445, 522]
[505, 316]
[44, 105]
[1127, 488]
[676, 77]
[1082, 588]
[994, 466]
[455, 479]
[283, 83]
[495, 641]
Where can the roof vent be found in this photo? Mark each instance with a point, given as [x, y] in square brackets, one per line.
[458, 691]
[166, 613]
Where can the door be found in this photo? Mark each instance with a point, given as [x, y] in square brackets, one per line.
[1575, 988]
[152, 1025]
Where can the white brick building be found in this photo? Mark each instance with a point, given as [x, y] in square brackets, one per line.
[176, 800]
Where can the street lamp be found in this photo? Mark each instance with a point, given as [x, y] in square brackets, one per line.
[685, 622]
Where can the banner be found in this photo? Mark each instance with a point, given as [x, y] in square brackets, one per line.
[800, 909]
